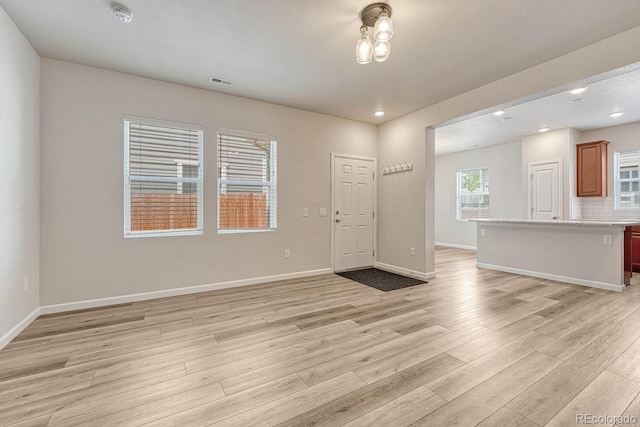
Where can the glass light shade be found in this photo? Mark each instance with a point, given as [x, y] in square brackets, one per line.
[381, 51]
[364, 48]
[383, 29]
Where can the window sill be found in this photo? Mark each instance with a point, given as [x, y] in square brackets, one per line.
[163, 234]
[247, 230]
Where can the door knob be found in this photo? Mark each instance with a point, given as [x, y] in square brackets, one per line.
[337, 219]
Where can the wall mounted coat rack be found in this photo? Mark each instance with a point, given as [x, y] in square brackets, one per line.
[397, 168]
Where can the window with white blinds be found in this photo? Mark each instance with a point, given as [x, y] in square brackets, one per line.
[472, 194]
[627, 179]
[247, 182]
[162, 178]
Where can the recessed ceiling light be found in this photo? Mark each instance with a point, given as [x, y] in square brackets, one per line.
[578, 90]
[122, 13]
[379, 113]
[499, 113]
[474, 146]
[577, 100]
[616, 114]
[506, 118]
[542, 130]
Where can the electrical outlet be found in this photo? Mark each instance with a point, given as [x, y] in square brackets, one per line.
[323, 211]
[305, 212]
[483, 232]
[287, 253]
[606, 239]
[25, 284]
[412, 251]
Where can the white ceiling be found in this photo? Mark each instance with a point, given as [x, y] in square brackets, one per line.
[615, 91]
[301, 53]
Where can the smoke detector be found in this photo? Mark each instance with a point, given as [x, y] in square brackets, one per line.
[122, 13]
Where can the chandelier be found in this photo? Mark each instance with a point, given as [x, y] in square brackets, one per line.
[378, 16]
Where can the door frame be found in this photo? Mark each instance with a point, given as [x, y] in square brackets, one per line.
[333, 209]
[558, 161]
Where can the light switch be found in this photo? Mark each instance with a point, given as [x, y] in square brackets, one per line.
[323, 211]
[305, 212]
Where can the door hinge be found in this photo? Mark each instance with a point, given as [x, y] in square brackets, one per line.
[531, 177]
[374, 253]
[374, 175]
[374, 214]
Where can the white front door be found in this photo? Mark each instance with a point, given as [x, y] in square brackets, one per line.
[545, 190]
[353, 213]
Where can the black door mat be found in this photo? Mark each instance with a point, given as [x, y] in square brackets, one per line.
[380, 279]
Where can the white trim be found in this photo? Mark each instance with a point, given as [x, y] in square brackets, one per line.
[333, 208]
[100, 302]
[530, 186]
[405, 271]
[557, 278]
[458, 195]
[13, 332]
[453, 245]
[162, 122]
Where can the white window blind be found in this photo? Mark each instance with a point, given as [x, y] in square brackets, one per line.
[627, 179]
[472, 194]
[247, 182]
[163, 178]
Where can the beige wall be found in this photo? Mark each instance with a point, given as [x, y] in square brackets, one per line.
[20, 183]
[505, 173]
[401, 197]
[84, 253]
[403, 138]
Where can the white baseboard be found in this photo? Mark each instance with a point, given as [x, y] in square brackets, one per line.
[453, 245]
[13, 332]
[100, 302]
[404, 271]
[558, 278]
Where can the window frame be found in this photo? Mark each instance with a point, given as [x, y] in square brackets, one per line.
[272, 183]
[484, 180]
[179, 180]
[617, 181]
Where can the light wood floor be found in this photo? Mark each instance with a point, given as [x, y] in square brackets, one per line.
[472, 347]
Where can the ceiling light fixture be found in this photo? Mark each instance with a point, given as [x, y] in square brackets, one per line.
[499, 113]
[379, 113]
[378, 16]
[543, 130]
[122, 13]
[578, 90]
[616, 114]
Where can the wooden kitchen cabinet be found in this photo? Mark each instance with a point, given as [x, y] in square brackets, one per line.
[592, 169]
[635, 248]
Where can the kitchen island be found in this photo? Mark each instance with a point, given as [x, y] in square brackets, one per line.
[583, 252]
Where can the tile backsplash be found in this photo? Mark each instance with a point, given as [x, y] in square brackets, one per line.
[599, 208]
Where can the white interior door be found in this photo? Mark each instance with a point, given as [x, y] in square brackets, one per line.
[353, 213]
[545, 190]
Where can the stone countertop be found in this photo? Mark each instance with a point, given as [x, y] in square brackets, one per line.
[575, 222]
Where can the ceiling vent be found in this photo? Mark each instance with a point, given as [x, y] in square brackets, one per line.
[220, 81]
